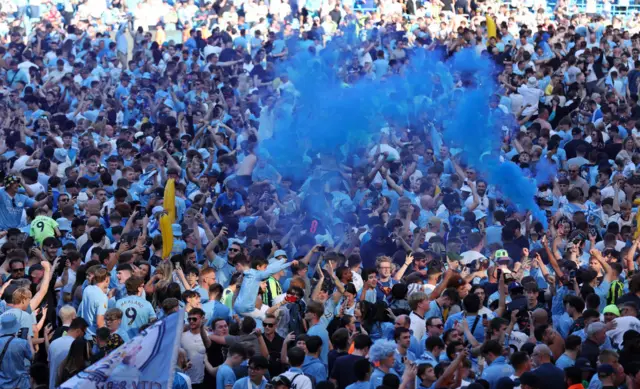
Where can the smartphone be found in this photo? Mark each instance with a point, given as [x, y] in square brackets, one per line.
[23, 333]
[358, 327]
[321, 248]
[572, 274]
[290, 298]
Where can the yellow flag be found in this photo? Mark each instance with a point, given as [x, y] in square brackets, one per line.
[167, 235]
[491, 28]
[170, 200]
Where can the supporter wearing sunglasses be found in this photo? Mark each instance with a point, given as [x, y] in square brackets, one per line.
[193, 341]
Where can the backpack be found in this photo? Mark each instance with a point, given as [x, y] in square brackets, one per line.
[616, 290]
[312, 379]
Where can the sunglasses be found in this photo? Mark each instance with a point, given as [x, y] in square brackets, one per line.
[234, 250]
[438, 325]
[268, 324]
[18, 270]
[192, 319]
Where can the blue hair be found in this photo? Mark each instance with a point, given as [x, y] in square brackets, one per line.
[381, 349]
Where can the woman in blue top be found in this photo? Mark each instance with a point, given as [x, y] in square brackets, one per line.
[376, 319]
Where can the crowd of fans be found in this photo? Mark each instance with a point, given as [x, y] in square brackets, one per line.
[399, 267]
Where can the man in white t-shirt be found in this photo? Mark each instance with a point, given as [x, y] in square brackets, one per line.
[475, 241]
[531, 95]
[195, 343]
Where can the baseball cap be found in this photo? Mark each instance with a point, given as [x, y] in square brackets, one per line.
[479, 214]
[514, 285]
[501, 255]
[583, 364]
[60, 154]
[605, 369]
[280, 253]
[64, 224]
[451, 256]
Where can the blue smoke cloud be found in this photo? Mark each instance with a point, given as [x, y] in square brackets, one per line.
[545, 171]
[330, 117]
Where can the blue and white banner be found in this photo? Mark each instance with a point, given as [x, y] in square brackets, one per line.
[146, 361]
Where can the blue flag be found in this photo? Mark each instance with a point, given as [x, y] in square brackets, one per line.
[146, 361]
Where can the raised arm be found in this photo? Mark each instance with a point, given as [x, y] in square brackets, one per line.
[275, 267]
[44, 286]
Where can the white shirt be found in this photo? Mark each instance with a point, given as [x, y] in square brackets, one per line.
[20, 164]
[624, 324]
[483, 205]
[609, 192]
[418, 325]
[530, 97]
[193, 345]
[357, 280]
[71, 279]
[619, 245]
[58, 351]
[36, 188]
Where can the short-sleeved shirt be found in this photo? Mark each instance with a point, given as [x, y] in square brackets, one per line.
[43, 227]
[215, 309]
[136, 313]
[245, 383]
[94, 303]
[196, 352]
[13, 371]
[225, 376]
[11, 209]
[25, 319]
[318, 330]
[58, 351]
[235, 202]
[249, 339]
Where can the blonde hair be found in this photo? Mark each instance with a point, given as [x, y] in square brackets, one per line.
[100, 275]
[166, 269]
[385, 258]
[67, 313]
[21, 295]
